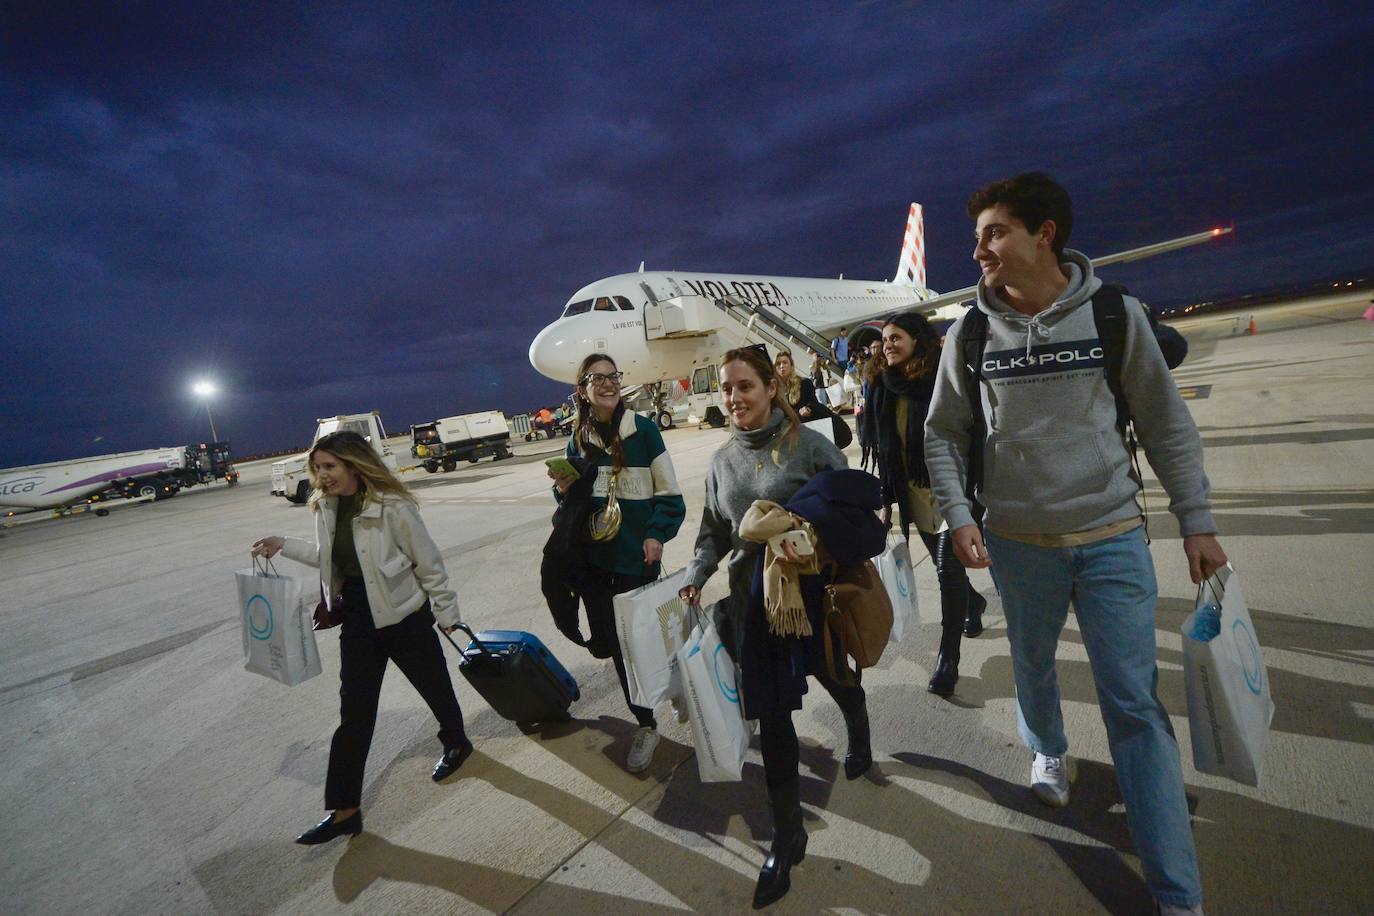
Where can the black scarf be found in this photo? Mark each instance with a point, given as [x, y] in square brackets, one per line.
[884, 446]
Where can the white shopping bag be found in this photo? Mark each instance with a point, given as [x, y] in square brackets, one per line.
[1229, 708]
[651, 624]
[836, 395]
[894, 568]
[711, 688]
[825, 426]
[278, 641]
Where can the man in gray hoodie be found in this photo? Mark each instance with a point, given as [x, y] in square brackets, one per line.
[1062, 521]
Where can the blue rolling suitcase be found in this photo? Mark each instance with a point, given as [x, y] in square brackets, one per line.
[518, 676]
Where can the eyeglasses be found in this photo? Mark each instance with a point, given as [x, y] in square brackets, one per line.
[598, 378]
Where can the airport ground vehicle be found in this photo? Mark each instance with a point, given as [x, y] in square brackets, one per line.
[291, 478]
[152, 473]
[470, 437]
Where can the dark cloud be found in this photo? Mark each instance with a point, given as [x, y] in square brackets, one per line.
[354, 207]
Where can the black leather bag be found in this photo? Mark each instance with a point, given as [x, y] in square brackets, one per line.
[324, 617]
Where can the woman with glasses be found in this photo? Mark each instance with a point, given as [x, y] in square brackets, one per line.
[626, 452]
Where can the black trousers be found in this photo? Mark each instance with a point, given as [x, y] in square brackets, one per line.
[598, 598]
[778, 733]
[363, 653]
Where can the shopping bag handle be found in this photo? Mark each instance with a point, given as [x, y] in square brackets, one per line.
[263, 566]
[1207, 583]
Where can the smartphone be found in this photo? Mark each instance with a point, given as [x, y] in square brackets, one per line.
[800, 541]
[562, 467]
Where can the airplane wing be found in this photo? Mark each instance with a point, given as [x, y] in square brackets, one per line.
[969, 293]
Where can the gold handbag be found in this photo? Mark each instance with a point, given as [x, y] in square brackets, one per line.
[604, 523]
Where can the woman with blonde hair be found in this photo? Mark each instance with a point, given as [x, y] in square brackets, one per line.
[800, 394]
[383, 576]
[769, 457]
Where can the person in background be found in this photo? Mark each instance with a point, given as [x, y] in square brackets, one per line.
[383, 574]
[800, 394]
[894, 421]
[839, 349]
[627, 449]
[769, 456]
[1063, 524]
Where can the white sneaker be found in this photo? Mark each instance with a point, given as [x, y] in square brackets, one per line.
[642, 750]
[1049, 781]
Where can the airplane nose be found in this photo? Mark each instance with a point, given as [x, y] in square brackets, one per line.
[554, 352]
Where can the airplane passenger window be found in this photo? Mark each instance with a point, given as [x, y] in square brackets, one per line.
[604, 305]
[577, 308]
[624, 304]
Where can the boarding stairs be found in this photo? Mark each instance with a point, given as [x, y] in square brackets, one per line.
[698, 316]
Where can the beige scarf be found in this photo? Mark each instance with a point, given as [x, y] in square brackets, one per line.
[782, 597]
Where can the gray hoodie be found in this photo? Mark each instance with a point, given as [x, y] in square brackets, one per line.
[1054, 462]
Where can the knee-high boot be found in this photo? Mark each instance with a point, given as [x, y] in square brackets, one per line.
[953, 606]
[789, 842]
[973, 618]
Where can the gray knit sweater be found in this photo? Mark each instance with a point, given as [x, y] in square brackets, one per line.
[742, 470]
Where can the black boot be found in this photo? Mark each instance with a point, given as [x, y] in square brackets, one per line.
[947, 664]
[859, 754]
[954, 605]
[973, 618]
[789, 842]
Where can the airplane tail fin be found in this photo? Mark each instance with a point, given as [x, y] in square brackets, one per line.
[911, 266]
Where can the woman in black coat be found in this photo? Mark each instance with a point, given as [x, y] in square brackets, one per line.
[800, 393]
[894, 421]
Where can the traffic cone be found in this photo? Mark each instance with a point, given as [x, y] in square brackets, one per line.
[1252, 330]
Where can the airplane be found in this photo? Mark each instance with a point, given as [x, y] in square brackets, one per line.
[667, 325]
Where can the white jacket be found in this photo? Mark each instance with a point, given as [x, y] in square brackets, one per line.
[401, 564]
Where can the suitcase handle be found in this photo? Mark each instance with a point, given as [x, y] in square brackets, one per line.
[473, 636]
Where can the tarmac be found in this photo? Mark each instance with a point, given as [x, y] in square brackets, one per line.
[144, 771]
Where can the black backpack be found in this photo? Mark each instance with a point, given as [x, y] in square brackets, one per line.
[1109, 313]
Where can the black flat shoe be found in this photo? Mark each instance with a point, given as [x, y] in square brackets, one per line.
[945, 677]
[328, 829]
[449, 763]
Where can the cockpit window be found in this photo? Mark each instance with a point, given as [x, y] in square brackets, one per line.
[603, 304]
[577, 308]
[624, 304]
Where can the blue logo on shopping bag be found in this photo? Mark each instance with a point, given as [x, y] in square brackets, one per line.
[728, 689]
[1247, 647]
[265, 630]
[901, 576]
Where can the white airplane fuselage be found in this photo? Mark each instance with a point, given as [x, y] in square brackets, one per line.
[614, 322]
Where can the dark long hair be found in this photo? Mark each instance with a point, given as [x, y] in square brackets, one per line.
[583, 423]
[925, 357]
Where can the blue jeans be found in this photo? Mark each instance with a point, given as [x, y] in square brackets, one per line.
[1112, 586]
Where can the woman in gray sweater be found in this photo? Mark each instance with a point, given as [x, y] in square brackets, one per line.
[769, 457]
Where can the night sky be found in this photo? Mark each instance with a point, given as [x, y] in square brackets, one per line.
[342, 208]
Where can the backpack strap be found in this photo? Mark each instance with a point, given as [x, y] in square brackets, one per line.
[1109, 314]
[973, 339]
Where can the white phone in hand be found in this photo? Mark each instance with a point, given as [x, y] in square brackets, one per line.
[799, 539]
